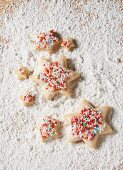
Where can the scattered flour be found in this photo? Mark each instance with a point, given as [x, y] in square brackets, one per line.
[97, 27]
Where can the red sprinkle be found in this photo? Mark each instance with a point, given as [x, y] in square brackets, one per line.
[55, 75]
[28, 97]
[87, 123]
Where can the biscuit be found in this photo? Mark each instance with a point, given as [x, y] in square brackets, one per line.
[68, 44]
[27, 99]
[22, 73]
[88, 124]
[55, 77]
[49, 41]
[49, 128]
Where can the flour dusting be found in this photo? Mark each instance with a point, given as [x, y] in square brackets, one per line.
[97, 27]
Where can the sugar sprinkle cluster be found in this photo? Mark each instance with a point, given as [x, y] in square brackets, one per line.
[87, 123]
[48, 128]
[28, 97]
[65, 43]
[55, 75]
[46, 40]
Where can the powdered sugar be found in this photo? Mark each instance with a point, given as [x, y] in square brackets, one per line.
[97, 28]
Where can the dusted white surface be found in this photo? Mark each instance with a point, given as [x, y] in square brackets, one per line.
[98, 29]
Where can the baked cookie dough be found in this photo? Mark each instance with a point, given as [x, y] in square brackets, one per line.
[49, 41]
[23, 73]
[27, 99]
[50, 128]
[68, 44]
[88, 124]
[55, 77]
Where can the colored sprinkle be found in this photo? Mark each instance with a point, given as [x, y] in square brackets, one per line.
[46, 40]
[87, 124]
[28, 97]
[48, 128]
[66, 43]
[55, 76]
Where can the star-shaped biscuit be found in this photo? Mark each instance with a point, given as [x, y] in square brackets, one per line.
[88, 124]
[55, 77]
[50, 128]
[49, 41]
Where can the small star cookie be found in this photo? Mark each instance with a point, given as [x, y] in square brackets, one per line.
[50, 128]
[49, 41]
[27, 99]
[88, 124]
[55, 77]
[23, 73]
[68, 44]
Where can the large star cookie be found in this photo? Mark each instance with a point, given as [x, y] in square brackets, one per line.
[55, 77]
[49, 41]
[88, 124]
[50, 128]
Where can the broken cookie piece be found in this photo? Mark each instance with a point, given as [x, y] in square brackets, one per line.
[23, 73]
[68, 43]
[27, 99]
